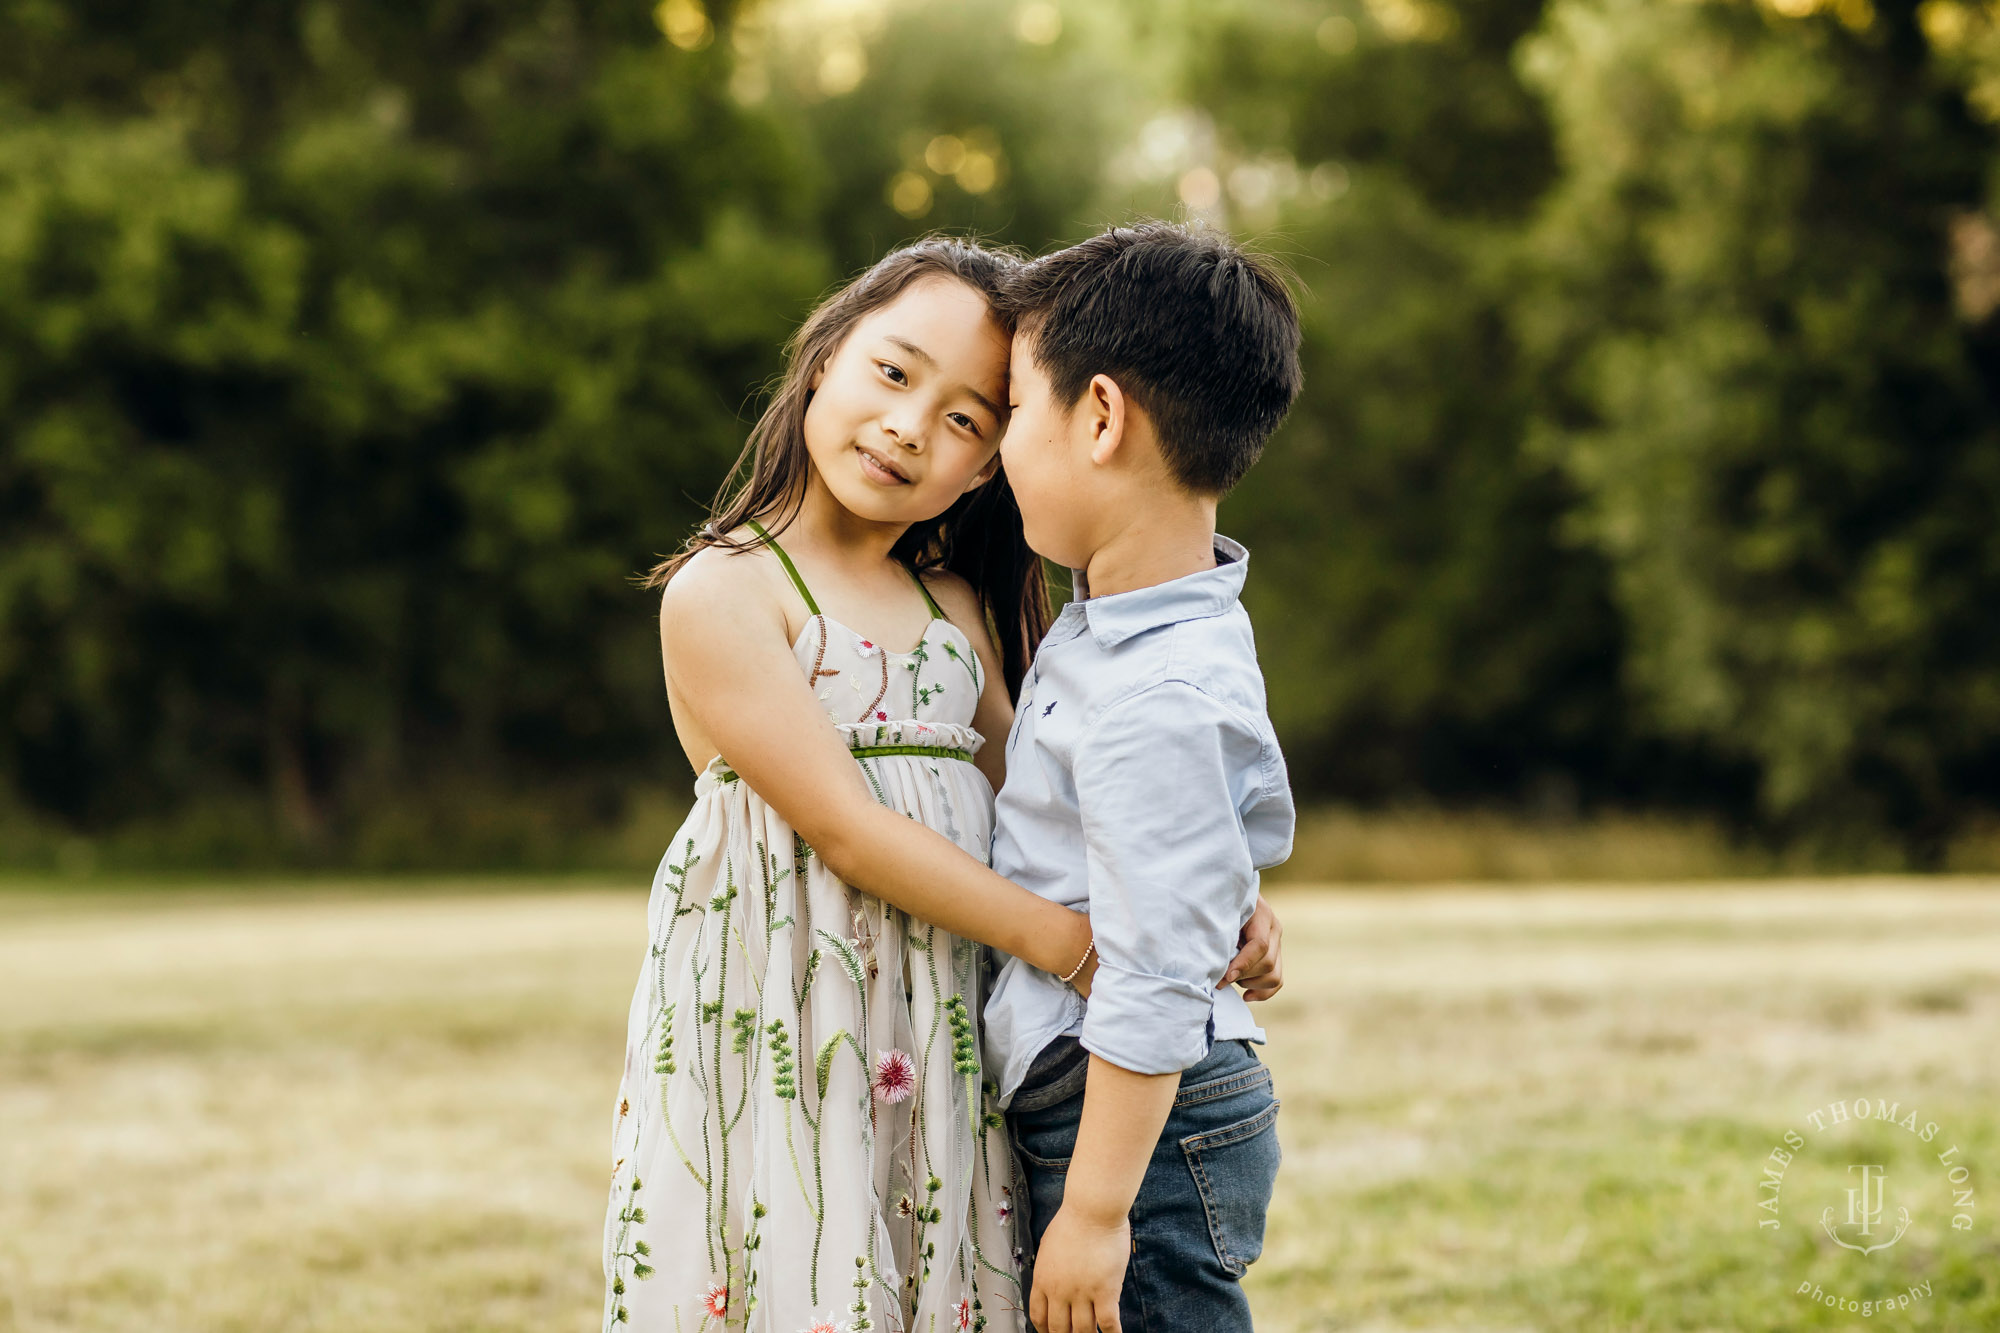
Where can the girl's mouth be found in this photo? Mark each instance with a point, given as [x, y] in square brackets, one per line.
[880, 470]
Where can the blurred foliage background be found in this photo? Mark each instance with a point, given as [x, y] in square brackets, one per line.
[354, 355]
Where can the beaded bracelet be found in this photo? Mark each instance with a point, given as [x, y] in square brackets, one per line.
[1088, 950]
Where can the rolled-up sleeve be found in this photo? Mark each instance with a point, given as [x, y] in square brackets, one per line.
[1162, 779]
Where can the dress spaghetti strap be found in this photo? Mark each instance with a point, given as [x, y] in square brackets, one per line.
[790, 568]
[937, 612]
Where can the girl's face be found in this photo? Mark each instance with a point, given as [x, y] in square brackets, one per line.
[906, 414]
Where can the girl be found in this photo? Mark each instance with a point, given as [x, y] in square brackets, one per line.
[803, 1138]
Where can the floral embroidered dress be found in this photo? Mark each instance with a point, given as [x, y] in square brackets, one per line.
[804, 1141]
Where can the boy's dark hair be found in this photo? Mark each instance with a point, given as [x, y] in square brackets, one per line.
[1201, 335]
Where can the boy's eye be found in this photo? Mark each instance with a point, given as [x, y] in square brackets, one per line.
[966, 422]
[894, 372]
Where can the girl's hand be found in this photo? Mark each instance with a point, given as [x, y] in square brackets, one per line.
[1258, 966]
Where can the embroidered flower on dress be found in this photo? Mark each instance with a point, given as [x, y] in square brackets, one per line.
[881, 716]
[824, 1326]
[895, 1076]
[964, 1312]
[1006, 1205]
[865, 648]
[904, 1208]
[716, 1300]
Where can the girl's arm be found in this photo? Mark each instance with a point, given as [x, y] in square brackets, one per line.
[728, 660]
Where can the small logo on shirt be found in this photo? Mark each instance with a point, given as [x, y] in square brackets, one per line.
[1051, 708]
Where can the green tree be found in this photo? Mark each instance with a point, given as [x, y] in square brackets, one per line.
[1756, 381]
[970, 117]
[1423, 629]
[351, 359]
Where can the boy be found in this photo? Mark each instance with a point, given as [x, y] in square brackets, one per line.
[1144, 784]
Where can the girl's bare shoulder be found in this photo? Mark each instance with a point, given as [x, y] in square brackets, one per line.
[719, 584]
[961, 605]
[953, 593]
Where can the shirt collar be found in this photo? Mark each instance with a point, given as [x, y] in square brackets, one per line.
[1209, 592]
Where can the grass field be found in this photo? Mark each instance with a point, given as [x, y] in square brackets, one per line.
[385, 1108]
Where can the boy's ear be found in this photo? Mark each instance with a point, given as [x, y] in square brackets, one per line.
[1105, 415]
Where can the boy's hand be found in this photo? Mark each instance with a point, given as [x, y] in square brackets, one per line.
[1079, 1271]
[1080, 1261]
[1258, 966]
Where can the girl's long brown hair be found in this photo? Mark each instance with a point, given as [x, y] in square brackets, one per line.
[978, 538]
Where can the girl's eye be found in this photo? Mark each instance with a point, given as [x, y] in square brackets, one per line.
[966, 422]
[894, 372]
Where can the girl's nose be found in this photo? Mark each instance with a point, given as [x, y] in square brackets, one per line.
[905, 428]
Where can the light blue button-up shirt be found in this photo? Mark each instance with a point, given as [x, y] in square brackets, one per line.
[1144, 785]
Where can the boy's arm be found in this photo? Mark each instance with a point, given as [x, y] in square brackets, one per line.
[1161, 779]
[1083, 1253]
[1165, 781]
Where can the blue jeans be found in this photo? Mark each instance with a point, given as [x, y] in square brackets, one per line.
[1198, 1222]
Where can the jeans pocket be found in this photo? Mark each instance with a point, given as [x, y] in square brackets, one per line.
[1045, 1142]
[1041, 1181]
[1055, 1165]
[1235, 1169]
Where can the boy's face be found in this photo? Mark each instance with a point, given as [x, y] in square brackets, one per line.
[1046, 455]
